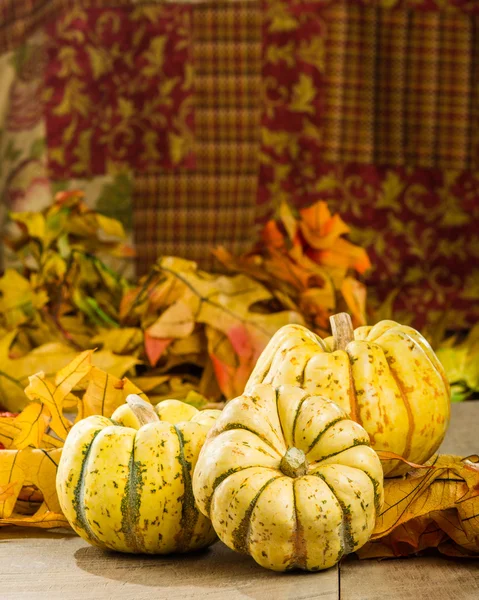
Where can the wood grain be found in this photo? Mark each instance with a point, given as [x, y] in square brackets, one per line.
[53, 566]
[424, 578]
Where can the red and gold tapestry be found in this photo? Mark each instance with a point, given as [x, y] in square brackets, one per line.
[192, 121]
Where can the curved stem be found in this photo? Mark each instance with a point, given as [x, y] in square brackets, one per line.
[144, 411]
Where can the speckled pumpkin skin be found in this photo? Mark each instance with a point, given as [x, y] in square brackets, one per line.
[128, 488]
[388, 379]
[307, 521]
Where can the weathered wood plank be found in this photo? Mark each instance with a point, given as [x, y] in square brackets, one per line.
[423, 578]
[50, 566]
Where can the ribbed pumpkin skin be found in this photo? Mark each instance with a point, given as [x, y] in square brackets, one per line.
[388, 379]
[307, 521]
[128, 488]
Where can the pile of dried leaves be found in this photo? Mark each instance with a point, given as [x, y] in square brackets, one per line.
[178, 329]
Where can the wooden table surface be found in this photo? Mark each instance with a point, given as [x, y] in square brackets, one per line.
[53, 566]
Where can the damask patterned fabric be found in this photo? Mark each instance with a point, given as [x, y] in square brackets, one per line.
[117, 89]
[193, 120]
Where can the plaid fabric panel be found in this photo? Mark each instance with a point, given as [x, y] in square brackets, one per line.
[190, 211]
[399, 86]
[350, 77]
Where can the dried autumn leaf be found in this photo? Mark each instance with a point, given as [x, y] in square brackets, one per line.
[32, 423]
[52, 395]
[14, 373]
[127, 340]
[226, 305]
[354, 294]
[305, 258]
[32, 222]
[319, 228]
[105, 393]
[435, 507]
[30, 453]
[161, 321]
[30, 467]
[155, 348]
[178, 321]
[115, 364]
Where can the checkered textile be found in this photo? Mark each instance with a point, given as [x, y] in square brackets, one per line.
[187, 212]
[400, 87]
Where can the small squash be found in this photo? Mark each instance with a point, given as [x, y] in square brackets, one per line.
[386, 377]
[125, 483]
[287, 478]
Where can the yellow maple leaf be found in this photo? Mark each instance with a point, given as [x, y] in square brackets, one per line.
[28, 464]
[30, 467]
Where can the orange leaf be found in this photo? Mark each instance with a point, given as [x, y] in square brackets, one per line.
[272, 236]
[319, 228]
[344, 255]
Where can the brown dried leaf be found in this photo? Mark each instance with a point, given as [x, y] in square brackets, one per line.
[436, 507]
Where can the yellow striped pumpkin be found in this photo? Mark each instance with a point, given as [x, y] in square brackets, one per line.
[287, 478]
[386, 377]
[125, 483]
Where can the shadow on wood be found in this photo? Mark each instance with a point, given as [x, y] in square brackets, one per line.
[217, 567]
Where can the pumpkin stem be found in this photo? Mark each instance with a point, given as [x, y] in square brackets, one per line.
[144, 412]
[294, 463]
[343, 331]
